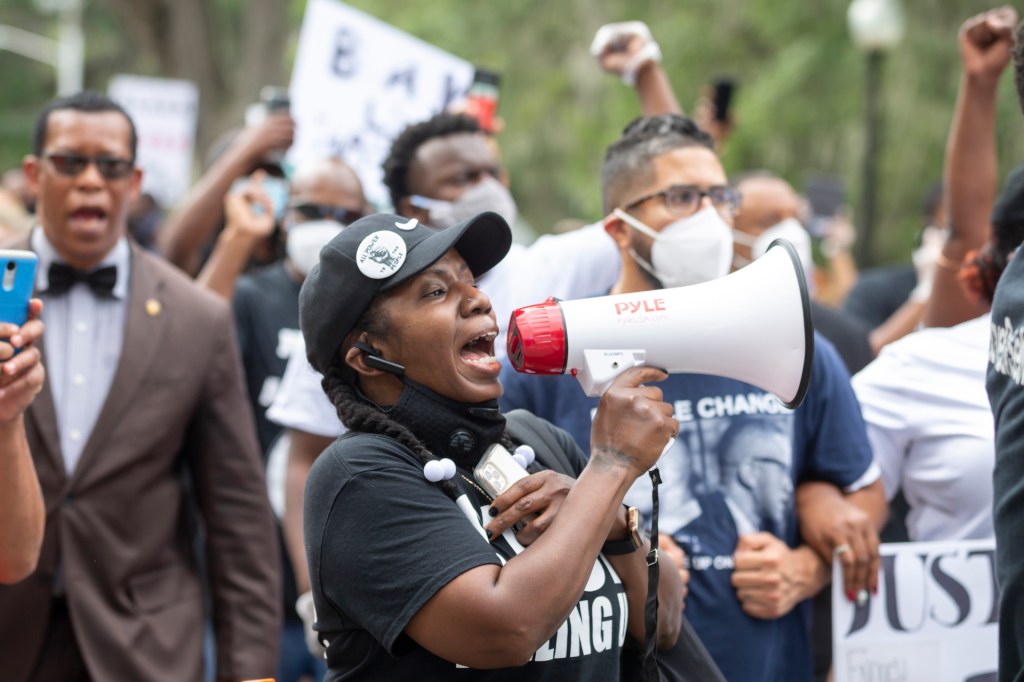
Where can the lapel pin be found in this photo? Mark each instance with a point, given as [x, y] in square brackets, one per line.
[153, 307]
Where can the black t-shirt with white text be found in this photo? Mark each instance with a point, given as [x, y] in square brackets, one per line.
[382, 540]
[266, 308]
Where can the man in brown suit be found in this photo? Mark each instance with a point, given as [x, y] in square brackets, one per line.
[143, 426]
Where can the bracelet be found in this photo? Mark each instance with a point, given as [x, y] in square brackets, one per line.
[948, 263]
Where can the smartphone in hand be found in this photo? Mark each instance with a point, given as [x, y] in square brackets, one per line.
[497, 470]
[276, 189]
[722, 89]
[16, 285]
[826, 196]
[482, 98]
[275, 99]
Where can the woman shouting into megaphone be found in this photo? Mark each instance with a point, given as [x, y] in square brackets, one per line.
[422, 561]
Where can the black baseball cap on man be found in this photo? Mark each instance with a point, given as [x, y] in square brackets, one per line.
[375, 254]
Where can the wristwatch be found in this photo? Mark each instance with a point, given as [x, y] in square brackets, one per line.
[633, 539]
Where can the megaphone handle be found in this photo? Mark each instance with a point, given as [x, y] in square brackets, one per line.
[600, 367]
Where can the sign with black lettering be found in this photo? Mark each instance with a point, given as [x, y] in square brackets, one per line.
[165, 112]
[934, 618]
[358, 82]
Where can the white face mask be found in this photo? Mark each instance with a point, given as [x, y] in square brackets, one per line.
[789, 229]
[688, 251]
[486, 195]
[305, 240]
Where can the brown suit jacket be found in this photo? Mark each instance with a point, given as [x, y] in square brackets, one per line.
[176, 416]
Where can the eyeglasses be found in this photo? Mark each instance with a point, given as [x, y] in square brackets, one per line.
[72, 165]
[683, 200]
[345, 216]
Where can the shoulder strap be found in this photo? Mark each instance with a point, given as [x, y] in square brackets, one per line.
[529, 429]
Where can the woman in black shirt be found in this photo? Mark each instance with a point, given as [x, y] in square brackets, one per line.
[416, 571]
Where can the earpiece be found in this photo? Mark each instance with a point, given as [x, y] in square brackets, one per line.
[373, 359]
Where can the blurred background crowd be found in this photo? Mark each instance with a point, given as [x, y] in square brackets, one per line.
[838, 124]
[800, 104]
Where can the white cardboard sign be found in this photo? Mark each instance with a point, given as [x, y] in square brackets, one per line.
[164, 112]
[934, 618]
[358, 82]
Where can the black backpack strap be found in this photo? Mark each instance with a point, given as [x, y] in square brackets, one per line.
[529, 429]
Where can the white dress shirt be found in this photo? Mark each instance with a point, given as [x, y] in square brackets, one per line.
[83, 340]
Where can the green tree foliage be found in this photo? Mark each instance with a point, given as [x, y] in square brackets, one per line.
[799, 107]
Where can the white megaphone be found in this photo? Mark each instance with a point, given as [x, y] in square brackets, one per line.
[753, 325]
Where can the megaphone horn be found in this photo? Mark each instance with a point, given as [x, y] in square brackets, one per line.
[753, 325]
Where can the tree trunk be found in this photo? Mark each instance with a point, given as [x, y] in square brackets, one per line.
[191, 39]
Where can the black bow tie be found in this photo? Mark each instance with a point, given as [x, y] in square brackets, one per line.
[63, 277]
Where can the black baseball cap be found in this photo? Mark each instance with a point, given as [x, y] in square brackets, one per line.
[375, 254]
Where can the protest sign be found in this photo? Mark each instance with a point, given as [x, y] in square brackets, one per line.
[164, 112]
[358, 82]
[934, 618]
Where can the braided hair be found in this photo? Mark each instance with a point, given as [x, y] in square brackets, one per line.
[982, 268]
[359, 414]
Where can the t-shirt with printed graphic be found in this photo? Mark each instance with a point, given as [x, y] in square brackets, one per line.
[1005, 385]
[382, 540]
[732, 470]
[266, 307]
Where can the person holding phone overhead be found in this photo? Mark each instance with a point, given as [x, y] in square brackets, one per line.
[416, 571]
[236, 154]
[144, 398]
[21, 502]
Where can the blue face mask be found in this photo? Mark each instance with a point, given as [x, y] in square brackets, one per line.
[276, 189]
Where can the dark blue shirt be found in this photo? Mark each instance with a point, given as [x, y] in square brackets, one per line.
[732, 470]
